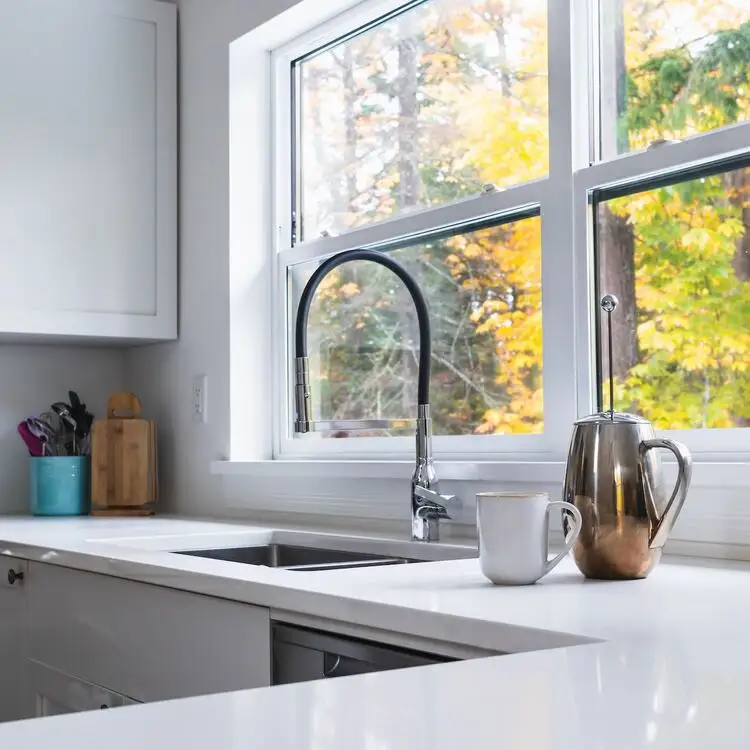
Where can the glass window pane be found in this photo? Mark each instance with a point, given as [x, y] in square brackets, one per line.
[420, 110]
[483, 289]
[671, 69]
[678, 259]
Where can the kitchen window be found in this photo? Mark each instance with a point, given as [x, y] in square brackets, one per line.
[518, 170]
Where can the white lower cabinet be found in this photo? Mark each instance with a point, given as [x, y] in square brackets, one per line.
[13, 638]
[76, 641]
[146, 642]
[52, 693]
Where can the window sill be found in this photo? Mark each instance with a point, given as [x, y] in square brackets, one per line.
[724, 474]
[476, 471]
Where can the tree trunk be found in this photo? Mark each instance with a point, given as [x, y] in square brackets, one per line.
[408, 133]
[502, 52]
[739, 196]
[350, 129]
[617, 276]
[739, 184]
[616, 242]
[614, 137]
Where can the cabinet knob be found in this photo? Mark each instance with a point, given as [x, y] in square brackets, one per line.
[13, 576]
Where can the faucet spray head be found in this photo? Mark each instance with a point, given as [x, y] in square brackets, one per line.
[302, 400]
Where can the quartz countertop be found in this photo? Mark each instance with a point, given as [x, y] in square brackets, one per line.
[660, 663]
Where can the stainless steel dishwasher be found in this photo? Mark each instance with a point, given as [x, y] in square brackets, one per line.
[301, 654]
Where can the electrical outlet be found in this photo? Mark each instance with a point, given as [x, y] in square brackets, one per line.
[200, 398]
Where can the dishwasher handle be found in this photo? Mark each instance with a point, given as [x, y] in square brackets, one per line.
[342, 654]
[331, 662]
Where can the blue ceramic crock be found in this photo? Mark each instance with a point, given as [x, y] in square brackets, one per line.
[59, 485]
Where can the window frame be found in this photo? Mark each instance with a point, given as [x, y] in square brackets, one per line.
[504, 204]
[565, 199]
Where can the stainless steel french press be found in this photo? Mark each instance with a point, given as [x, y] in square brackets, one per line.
[614, 477]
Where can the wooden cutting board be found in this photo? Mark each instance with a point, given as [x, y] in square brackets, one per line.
[123, 460]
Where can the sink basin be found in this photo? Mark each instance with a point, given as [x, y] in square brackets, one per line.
[292, 557]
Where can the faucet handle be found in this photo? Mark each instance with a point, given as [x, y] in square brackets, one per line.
[431, 496]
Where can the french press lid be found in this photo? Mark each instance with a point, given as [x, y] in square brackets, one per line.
[608, 417]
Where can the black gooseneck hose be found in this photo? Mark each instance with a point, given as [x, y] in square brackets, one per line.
[423, 391]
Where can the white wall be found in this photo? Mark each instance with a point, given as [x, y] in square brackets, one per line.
[162, 374]
[32, 378]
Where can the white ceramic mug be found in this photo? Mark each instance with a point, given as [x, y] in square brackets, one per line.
[514, 536]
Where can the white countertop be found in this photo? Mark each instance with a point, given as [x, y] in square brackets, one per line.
[674, 671]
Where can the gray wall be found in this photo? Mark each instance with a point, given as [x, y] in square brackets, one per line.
[32, 378]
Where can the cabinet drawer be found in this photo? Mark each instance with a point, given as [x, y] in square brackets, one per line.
[54, 693]
[146, 642]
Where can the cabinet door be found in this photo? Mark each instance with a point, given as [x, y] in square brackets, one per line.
[148, 642]
[13, 638]
[88, 180]
[53, 692]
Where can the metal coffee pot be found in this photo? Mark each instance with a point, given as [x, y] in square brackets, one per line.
[614, 477]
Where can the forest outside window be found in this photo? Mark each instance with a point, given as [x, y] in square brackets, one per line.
[519, 172]
[421, 129]
[417, 109]
[671, 69]
[677, 256]
[484, 292]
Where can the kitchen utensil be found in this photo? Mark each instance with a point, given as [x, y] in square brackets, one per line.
[513, 536]
[43, 432]
[613, 476]
[123, 451]
[82, 417]
[59, 485]
[40, 429]
[33, 443]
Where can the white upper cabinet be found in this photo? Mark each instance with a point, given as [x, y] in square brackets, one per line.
[88, 169]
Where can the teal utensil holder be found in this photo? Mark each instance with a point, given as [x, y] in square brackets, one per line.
[59, 485]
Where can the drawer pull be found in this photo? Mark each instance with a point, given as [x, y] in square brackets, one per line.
[13, 576]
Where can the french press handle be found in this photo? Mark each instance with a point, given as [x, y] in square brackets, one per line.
[662, 526]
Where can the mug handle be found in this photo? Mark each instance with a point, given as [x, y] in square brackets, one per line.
[572, 536]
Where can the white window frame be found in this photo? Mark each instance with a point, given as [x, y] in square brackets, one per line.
[564, 198]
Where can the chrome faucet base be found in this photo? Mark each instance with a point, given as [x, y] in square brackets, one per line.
[427, 504]
[425, 530]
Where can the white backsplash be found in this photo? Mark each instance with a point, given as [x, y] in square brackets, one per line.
[32, 378]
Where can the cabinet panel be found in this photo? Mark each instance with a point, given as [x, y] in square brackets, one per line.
[87, 188]
[53, 693]
[146, 642]
[13, 639]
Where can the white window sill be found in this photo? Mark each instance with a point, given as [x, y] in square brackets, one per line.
[476, 471]
[724, 474]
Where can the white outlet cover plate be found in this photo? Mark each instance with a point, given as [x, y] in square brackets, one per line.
[200, 398]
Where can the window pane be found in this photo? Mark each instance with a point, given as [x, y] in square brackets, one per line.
[678, 259]
[672, 68]
[422, 109]
[483, 289]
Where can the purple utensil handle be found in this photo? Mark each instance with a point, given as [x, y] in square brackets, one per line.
[33, 443]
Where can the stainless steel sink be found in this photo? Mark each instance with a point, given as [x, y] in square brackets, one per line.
[293, 557]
